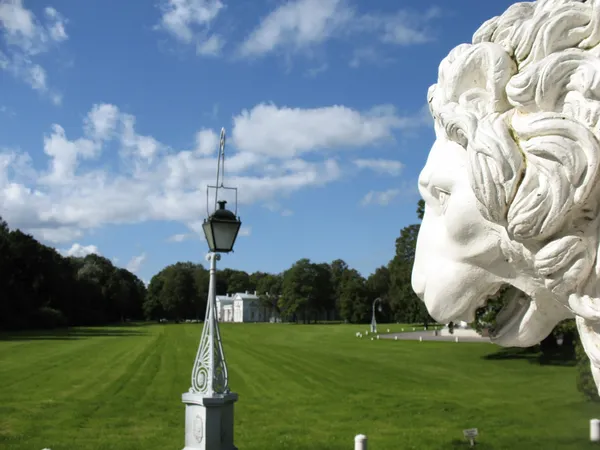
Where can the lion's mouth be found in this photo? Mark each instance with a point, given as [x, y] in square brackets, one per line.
[511, 305]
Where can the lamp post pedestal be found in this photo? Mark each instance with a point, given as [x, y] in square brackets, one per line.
[209, 421]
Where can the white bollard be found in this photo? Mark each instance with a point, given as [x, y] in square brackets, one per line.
[403, 330]
[595, 430]
[377, 337]
[360, 442]
[413, 328]
[395, 338]
[456, 339]
[420, 338]
[388, 330]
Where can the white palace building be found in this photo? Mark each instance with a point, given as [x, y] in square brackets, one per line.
[244, 307]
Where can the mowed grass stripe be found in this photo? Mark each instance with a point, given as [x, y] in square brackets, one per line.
[301, 387]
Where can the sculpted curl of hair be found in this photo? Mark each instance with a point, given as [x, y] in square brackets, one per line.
[523, 100]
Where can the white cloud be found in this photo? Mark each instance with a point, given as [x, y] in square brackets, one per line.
[135, 263]
[207, 142]
[25, 38]
[300, 25]
[56, 25]
[101, 121]
[286, 132]
[405, 27]
[179, 237]
[313, 72]
[245, 231]
[385, 166]
[370, 56]
[150, 181]
[287, 212]
[383, 198]
[65, 154]
[212, 46]
[81, 251]
[297, 25]
[189, 22]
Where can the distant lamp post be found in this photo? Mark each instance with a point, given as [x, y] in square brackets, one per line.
[209, 402]
[373, 321]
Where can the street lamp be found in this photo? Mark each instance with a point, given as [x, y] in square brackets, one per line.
[209, 402]
[373, 321]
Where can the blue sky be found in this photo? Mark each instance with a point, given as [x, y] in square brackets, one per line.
[110, 113]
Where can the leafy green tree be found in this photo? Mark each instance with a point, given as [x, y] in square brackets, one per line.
[254, 280]
[306, 290]
[404, 304]
[41, 288]
[354, 300]
[584, 378]
[337, 268]
[269, 289]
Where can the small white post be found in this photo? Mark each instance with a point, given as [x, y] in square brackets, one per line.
[395, 338]
[420, 338]
[456, 339]
[595, 430]
[360, 442]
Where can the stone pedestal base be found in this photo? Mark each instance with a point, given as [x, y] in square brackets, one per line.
[209, 421]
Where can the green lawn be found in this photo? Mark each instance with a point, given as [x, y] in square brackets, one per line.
[301, 387]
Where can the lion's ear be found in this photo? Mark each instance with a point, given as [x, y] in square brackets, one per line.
[561, 169]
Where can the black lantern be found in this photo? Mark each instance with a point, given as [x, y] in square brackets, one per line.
[221, 229]
[222, 226]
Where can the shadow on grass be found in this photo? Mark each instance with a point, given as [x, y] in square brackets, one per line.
[562, 356]
[70, 334]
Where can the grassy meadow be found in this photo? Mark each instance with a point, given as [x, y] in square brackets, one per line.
[301, 387]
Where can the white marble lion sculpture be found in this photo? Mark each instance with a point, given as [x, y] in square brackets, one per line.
[511, 183]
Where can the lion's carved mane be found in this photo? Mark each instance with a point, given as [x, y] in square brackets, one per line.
[523, 100]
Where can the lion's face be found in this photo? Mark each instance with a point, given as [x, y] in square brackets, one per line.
[459, 262]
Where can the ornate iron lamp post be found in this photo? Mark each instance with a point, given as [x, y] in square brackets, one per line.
[373, 321]
[209, 402]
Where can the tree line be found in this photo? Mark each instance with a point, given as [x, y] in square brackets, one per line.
[306, 292]
[40, 288]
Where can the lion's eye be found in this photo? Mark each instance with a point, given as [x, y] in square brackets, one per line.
[443, 197]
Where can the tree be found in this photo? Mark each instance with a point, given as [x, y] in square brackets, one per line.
[337, 269]
[230, 281]
[306, 290]
[179, 291]
[269, 289]
[584, 378]
[404, 304]
[354, 300]
[41, 289]
[420, 209]
[378, 283]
